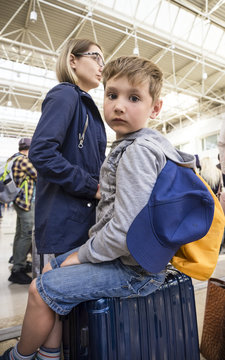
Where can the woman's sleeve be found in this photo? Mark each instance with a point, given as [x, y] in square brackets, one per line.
[46, 148]
[135, 178]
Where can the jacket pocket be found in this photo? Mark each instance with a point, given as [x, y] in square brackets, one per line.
[80, 210]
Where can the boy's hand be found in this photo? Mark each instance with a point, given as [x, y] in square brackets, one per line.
[71, 259]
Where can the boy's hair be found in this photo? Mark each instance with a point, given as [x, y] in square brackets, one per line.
[64, 72]
[137, 70]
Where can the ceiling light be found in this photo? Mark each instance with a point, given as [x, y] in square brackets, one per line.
[204, 75]
[206, 21]
[33, 16]
[135, 51]
[9, 103]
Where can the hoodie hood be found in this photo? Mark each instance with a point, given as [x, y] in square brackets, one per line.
[159, 141]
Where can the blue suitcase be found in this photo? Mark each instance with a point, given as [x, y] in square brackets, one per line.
[161, 326]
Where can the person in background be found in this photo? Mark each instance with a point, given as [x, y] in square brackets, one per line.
[103, 266]
[1, 210]
[221, 146]
[197, 162]
[24, 174]
[211, 174]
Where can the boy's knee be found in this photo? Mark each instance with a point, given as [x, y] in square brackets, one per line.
[33, 288]
[34, 296]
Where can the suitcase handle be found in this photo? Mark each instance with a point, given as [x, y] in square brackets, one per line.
[84, 337]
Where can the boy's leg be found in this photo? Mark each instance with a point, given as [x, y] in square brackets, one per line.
[54, 339]
[65, 287]
[38, 323]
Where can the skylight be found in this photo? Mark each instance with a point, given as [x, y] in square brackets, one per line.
[176, 23]
[180, 102]
[14, 72]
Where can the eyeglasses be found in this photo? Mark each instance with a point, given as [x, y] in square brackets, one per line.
[95, 56]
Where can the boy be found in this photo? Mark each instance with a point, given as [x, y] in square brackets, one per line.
[103, 266]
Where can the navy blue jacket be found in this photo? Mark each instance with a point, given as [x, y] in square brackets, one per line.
[67, 175]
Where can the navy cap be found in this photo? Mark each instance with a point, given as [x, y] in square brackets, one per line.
[25, 142]
[180, 210]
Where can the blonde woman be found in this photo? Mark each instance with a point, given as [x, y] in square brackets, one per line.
[68, 148]
[211, 174]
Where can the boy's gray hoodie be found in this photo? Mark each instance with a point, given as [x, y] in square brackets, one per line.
[127, 178]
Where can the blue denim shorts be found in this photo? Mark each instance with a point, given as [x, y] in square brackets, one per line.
[62, 288]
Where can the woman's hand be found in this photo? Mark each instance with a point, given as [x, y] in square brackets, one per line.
[98, 195]
[71, 259]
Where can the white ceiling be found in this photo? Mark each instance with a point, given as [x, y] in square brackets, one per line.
[185, 38]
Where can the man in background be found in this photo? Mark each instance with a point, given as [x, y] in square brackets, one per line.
[25, 176]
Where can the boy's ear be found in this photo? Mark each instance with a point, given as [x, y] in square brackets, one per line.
[72, 61]
[156, 109]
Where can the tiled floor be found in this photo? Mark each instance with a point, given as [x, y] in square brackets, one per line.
[13, 297]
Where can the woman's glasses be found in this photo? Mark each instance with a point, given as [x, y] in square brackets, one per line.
[94, 55]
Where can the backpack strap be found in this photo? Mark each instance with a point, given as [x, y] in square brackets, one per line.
[6, 169]
[25, 185]
[5, 173]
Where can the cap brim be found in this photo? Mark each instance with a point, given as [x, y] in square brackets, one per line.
[145, 246]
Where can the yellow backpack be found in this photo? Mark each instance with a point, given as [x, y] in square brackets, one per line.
[198, 259]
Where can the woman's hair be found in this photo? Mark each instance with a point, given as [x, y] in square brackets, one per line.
[137, 70]
[64, 72]
[210, 173]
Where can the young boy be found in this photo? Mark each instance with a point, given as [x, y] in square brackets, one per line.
[103, 266]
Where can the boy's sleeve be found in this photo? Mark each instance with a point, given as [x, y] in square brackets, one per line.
[135, 178]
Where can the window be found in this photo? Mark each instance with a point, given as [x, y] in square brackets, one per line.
[209, 142]
[185, 147]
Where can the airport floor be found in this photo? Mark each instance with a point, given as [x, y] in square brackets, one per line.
[13, 297]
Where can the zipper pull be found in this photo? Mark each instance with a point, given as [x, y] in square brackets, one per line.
[81, 137]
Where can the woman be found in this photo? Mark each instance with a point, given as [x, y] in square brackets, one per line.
[68, 148]
[212, 175]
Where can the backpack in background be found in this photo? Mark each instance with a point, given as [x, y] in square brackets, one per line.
[8, 188]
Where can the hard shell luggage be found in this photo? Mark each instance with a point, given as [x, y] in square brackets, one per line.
[161, 326]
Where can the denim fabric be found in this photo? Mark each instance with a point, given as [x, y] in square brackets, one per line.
[23, 236]
[63, 288]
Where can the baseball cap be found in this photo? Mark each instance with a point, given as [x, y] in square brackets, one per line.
[25, 142]
[179, 211]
